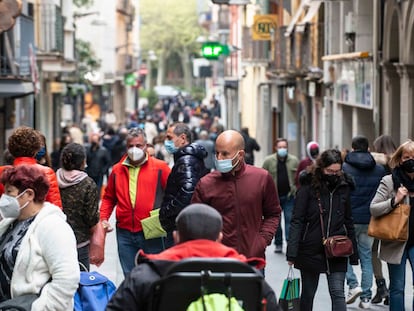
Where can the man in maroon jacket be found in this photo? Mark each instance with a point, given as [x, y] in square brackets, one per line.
[245, 196]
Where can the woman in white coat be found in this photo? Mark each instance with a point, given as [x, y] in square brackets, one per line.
[37, 246]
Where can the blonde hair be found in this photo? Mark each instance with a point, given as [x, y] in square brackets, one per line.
[395, 160]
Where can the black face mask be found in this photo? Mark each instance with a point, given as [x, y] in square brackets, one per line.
[331, 180]
[408, 166]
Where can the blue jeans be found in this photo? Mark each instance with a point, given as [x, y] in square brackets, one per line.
[310, 280]
[129, 243]
[364, 243]
[286, 203]
[397, 280]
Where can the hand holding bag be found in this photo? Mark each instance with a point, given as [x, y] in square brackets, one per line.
[290, 296]
[392, 226]
[337, 245]
[151, 226]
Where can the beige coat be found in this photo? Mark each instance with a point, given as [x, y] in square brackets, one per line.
[390, 251]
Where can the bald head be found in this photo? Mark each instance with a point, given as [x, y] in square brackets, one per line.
[231, 137]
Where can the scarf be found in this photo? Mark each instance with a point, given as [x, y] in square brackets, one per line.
[69, 178]
[400, 177]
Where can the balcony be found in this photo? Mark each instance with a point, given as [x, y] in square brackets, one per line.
[295, 55]
[254, 51]
[125, 7]
[14, 48]
[125, 64]
[50, 27]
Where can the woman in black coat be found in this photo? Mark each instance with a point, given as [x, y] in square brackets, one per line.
[326, 184]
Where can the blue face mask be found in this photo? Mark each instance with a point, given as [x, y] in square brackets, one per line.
[170, 147]
[41, 153]
[226, 165]
[282, 152]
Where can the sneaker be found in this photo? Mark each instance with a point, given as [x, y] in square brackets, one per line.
[365, 303]
[353, 294]
[278, 249]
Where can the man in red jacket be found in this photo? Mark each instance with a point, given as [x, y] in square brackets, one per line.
[198, 234]
[135, 186]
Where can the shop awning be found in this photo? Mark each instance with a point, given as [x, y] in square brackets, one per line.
[15, 88]
[312, 8]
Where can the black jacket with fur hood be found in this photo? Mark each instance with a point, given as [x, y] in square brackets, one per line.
[305, 246]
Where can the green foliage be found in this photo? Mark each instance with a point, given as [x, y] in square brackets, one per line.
[83, 3]
[169, 27]
[87, 60]
[151, 95]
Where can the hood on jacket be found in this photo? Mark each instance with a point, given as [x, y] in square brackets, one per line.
[69, 178]
[312, 150]
[193, 149]
[360, 160]
[380, 158]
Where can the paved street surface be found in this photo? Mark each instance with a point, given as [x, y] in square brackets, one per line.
[276, 272]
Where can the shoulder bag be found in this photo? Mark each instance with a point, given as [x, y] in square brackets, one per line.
[392, 226]
[337, 245]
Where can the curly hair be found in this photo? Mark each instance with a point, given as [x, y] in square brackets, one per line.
[73, 156]
[27, 176]
[24, 142]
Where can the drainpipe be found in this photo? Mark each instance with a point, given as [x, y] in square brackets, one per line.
[265, 119]
[376, 88]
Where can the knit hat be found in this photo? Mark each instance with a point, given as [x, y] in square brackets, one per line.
[199, 221]
[312, 150]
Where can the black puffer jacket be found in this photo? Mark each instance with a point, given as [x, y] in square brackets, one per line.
[188, 169]
[305, 247]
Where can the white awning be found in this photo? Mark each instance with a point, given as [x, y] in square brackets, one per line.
[312, 8]
[15, 88]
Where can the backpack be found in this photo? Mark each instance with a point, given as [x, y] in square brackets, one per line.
[94, 292]
[215, 302]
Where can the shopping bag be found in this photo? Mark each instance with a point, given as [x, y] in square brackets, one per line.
[289, 299]
[151, 226]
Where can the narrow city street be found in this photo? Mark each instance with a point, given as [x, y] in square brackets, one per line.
[276, 272]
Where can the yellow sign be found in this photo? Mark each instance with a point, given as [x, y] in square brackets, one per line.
[263, 26]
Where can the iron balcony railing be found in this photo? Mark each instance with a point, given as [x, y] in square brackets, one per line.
[15, 48]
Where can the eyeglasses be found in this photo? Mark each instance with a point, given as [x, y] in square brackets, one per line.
[333, 172]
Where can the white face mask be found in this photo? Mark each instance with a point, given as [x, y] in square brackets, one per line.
[136, 154]
[9, 206]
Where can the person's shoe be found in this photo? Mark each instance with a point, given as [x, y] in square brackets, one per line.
[278, 249]
[387, 301]
[365, 303]
[382, 291]
[353, 294]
